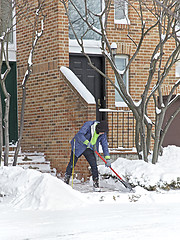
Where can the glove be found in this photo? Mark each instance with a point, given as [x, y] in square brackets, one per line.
[90, 146]
[108, 163]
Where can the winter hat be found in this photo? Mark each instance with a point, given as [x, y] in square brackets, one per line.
[102, 126]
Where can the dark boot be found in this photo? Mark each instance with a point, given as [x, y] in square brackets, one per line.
[67, 178]
[96, 185]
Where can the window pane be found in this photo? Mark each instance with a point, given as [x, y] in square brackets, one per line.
[119, 6]
[121, 63]
[6, 16]
[79, 25]
[178, 22]
[178, 69]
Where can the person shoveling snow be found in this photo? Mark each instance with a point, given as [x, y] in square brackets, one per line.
[85, 142]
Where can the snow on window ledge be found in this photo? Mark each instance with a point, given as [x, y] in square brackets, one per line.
[120, 104]
[78, 85]
[122, 21]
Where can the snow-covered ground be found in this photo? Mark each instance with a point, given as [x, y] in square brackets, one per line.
[38, 206]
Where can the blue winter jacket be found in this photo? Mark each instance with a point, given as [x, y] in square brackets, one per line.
[85, 134]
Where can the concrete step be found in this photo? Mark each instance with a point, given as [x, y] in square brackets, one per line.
[34, 161]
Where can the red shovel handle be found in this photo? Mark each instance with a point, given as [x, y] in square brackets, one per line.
[127, 185]
[109, 167]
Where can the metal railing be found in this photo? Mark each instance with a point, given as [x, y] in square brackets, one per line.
[121, 128]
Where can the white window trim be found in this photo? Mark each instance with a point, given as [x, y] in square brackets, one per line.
[90, 46]
[124, 20]
[122, 103]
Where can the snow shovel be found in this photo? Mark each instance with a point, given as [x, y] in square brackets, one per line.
[127, 185]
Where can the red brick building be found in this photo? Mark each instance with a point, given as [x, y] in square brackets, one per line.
[55, 110]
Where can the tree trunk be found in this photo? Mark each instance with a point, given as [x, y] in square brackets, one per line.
[143, 141]
[156, 149]
[137, 139]
[6, 127]
[148, 138]
[21, 127]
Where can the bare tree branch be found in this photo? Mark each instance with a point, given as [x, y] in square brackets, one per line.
[36, 35]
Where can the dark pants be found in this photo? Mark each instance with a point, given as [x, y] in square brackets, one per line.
[90, 157]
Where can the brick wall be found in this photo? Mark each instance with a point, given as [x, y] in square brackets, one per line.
[54, 111]
[139, 69]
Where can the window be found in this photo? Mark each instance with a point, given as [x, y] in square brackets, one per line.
[6, 17]
[121, 12]
[178, 25]
[7, 20]
[80, 27]
[121, 62]
[178, 69]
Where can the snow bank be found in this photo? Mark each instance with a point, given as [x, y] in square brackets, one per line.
[165, 174]
[31, 189]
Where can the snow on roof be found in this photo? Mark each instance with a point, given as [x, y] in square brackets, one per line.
[78, 85]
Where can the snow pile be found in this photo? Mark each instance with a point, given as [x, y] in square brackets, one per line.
[31, 189]
[78, 85]
[165, 174]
